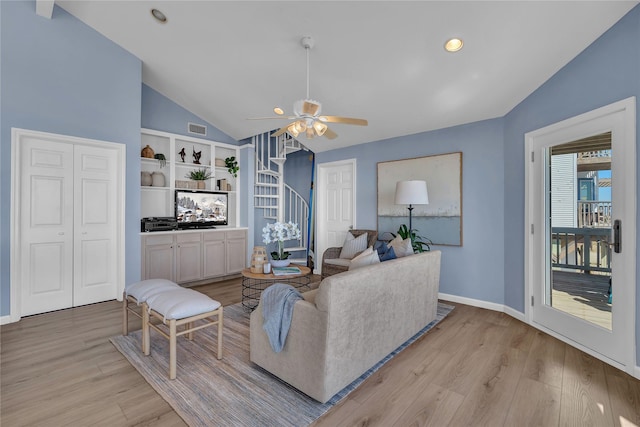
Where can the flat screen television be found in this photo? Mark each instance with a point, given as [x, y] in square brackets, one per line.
[203, 207]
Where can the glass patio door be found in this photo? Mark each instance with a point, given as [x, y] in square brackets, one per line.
[580, 189]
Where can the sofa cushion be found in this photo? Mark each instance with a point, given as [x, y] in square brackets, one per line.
[389, 254]
[401, 247]
[352, 245]
[381, 247]
[367, 257]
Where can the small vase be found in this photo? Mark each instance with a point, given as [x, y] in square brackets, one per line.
[145, 178]
[280, 262]
[201, 185]
[147, 152]
[157, 179]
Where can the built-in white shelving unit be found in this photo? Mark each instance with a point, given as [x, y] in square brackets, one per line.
[159, 200]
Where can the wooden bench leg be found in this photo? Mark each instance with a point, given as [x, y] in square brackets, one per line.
[146, 342]
[172, 349]
[220, 317]
[125, 315]
[190, 333]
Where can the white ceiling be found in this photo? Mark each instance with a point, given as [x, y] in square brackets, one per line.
[379, 60]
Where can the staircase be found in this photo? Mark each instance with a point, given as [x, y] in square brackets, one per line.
[277, 200]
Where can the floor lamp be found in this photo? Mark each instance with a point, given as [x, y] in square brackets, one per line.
[411, 193]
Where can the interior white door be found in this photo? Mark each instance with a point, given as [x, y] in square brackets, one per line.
[96, 225]
[612, 343]
[336, 203]
[66, 222]
[46, 225]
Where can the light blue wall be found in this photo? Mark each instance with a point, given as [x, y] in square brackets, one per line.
[63, 77]
[607, 71]
[297, 173]
[475, 269]
[161, 113]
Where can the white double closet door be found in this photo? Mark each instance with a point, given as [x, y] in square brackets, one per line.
[68, 224]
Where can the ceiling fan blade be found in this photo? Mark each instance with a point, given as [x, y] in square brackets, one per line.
[280, 131]
[329, 134]
[345, 120]
[273, 118]
[310, 108]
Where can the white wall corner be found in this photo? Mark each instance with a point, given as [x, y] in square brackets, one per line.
[44, 8]
[5, 320]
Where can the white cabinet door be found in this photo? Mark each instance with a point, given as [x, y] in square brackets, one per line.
[213, 251]
[236, 251]
[159, 257]
[96, 224]
[189, 257]
[46, 226]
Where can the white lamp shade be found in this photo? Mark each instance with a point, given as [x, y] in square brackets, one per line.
[411, 193]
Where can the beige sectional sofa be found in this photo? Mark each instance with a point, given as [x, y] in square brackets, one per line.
[350, 322]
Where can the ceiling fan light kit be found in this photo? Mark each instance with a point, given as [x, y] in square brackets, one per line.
[308, 121]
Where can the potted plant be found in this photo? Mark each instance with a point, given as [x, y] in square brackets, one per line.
[232, 165]
[160, 158]
[199, 175]
[419, 243]
[279, 232]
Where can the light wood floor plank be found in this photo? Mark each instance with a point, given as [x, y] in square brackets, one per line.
[433, 406]
[59, 369]
[546, 360]
[534, 404]
[585, 398]
[488, 400]
[624, 395]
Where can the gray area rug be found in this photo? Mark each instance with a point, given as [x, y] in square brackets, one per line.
[232, 391]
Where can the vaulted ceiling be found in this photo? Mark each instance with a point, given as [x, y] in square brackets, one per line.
[384, 61]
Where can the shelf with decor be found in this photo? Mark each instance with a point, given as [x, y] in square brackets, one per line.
[226, 169]
[182, 156]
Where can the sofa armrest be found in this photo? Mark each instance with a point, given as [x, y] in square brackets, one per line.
[301, 362]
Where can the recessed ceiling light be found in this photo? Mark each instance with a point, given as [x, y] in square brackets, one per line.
[278, 111]
[453, 45]
[160, 17]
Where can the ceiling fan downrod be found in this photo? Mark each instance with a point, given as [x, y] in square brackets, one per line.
[307, 42]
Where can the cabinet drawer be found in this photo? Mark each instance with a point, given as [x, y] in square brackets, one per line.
[189, 237]
[164, 239]
[236, 234]
[213, 236]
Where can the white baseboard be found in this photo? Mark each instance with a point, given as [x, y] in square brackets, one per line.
[5, 319]
[515, 314]
[473, 302]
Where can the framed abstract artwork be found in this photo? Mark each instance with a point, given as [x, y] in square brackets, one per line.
[441, 219]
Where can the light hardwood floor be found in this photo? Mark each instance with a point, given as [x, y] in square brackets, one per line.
[477, 367]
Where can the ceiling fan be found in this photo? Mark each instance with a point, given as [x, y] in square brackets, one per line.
[307, 118]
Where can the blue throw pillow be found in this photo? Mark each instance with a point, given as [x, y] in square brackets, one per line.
[381, 247]
[389, 254]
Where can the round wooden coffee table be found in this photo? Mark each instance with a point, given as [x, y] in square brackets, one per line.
[254, 283]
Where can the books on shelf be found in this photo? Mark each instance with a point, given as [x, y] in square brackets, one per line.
[285, 271]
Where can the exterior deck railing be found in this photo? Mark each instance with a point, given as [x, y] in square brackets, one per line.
[594, 154]
[593, 213]
[584, 249]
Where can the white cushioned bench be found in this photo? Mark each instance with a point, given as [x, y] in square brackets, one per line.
[173, 306]
[137, 293]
